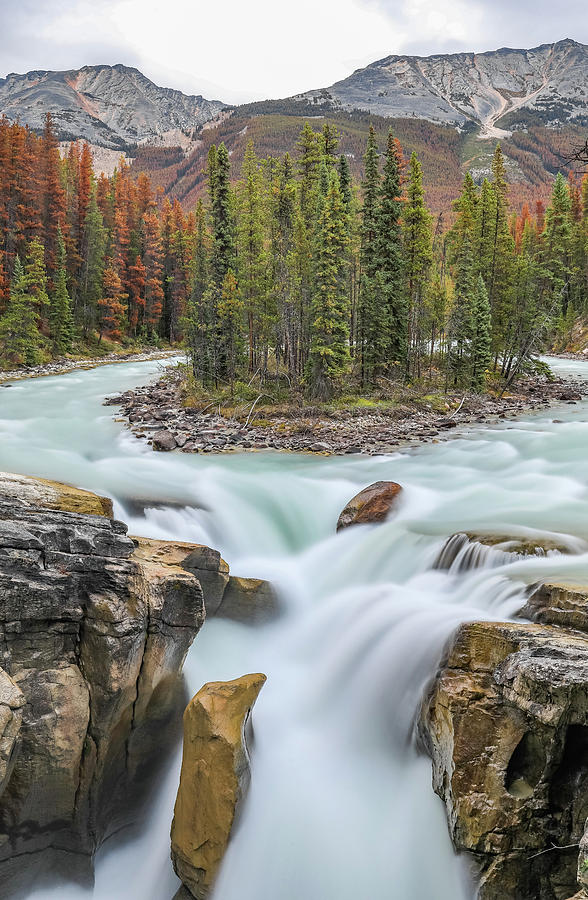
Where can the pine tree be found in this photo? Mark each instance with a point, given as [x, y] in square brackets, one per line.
[61, 319]
[371, 326]
[329, 347]
[389, 259]
[20, 339]
[86, 311]
[224, 253]
[557, 243]
[481, 337]
[253, 258]
[461, 321]
[230, 325]
[345, 182]
[418, 255]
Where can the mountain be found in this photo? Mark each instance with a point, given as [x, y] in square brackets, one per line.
[550, 81]
[109, 106]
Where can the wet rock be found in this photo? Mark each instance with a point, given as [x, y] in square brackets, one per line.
[52, 495]
[164, 441]
[205, 563]
[92, 641]
[470, 550]
[249, 600]
[214, 779]
[506, 725]
[11, 703]
[372, 504]
[565, 605]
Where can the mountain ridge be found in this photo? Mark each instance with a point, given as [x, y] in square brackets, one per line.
[110, 106]
[468, 87]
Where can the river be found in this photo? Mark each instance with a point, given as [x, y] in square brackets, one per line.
[341, 805]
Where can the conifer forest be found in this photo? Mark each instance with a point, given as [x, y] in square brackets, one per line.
[287, 269]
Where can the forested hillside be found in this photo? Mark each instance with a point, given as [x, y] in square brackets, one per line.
[288, 265]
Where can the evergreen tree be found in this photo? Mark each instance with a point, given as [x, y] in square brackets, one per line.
[557, 244]
[461, 322]
[61, 319]
[371, 326]
[345, 182]
[230, 319]
[418, 256]
[481, 336]
[389, 259]
[224, 251]
[253, 263]
[329, 347]
[20, 339]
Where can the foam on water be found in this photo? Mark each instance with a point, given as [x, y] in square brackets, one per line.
[341, 805]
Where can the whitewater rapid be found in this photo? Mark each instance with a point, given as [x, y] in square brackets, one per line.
[341, 805]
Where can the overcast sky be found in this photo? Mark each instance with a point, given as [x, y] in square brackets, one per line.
[238, 50]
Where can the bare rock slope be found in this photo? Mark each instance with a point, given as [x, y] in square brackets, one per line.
[109, 106]
[460, 88]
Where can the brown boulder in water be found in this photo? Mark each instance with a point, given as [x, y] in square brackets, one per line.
[214, 779]
[371, 505]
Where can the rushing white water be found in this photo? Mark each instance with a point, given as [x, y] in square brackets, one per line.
[340, 805]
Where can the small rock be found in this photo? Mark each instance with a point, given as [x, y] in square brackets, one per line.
[371, 505]
[164, 441]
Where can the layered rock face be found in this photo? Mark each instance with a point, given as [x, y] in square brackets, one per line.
[92, 640]
[506, 726]
[214, 778]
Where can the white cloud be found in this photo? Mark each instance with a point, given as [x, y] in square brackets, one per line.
[238, 50]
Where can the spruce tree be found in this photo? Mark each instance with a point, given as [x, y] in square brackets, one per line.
[329, 347]
[61, 320]
[230, 327]
[389, 260]
[461, 321]
[252, 256]
[481, 337]
[20, 339]
[371, 325]
[418, 255]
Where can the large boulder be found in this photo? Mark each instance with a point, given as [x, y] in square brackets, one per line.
[92, 641]
[372, 504]
[506, 725]
[214, 778]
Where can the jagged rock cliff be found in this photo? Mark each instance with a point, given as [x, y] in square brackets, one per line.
[506, 725]
[111, 106]
[92, 640]
[94, 630]
[458, 88]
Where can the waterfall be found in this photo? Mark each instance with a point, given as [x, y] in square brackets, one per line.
[340, 805]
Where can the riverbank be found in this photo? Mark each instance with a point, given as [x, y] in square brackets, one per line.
[62, 366]
[157, 413]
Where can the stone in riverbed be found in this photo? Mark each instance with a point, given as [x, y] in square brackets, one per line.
[214, 779]
[372, 504]
[164, 441]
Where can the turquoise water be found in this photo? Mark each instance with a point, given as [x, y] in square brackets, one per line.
[340, 806]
